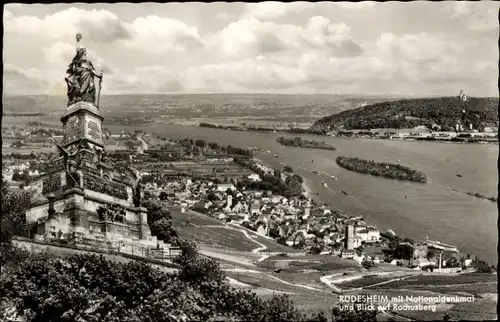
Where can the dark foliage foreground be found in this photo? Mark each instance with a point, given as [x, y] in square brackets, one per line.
[89, 288]
[38, 287]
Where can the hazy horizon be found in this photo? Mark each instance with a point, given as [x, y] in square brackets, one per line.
[404, 49]
[256, 93]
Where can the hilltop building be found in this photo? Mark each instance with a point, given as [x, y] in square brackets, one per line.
[83, 199]
[462, 96]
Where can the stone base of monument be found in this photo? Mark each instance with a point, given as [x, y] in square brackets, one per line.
[90, 219]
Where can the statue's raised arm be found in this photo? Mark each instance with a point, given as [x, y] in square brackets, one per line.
[80, 79]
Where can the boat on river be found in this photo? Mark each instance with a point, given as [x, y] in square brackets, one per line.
[441, 246]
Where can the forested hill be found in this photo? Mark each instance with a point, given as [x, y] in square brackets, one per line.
[442, 111]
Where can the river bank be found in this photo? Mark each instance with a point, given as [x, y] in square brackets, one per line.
[432, 210]
[433, 139]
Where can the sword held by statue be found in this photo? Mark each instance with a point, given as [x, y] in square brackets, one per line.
[99, 93]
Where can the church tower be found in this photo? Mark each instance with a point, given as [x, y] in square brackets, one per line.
[82, 197]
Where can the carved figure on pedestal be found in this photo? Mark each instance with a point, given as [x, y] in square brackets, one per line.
[100, 159]
[113, 213]
[80, 80]
[135, 178]
[70, 166]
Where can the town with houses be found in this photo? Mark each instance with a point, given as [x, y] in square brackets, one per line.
[193, 175]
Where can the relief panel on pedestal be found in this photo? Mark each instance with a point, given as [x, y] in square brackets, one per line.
[73, 128]
[93, 128]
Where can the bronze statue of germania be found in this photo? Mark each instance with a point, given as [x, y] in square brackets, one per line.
[81, 75]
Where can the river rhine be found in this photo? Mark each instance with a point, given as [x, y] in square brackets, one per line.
[432, 210]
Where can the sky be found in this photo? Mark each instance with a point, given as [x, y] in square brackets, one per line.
[360, 48]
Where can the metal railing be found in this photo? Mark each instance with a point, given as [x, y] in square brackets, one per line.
[105, 246]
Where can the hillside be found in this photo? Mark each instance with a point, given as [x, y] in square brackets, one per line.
[409, 113]
[216, 234]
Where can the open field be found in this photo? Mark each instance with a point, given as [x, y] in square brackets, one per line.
[191, 217]
[474, 288]
[310, 278]
[365, 281]
[480, 310]
[272, 281]
[322, 263]
[434, 280]
[312, 303]
[207, 230]
[270, 244]
[483, 309]
[190, 225]
[217, 237]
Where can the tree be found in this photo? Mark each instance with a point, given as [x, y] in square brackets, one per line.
[288, 168]
[481, 266]
[160, 222]
[367, 264]
[211, 196]
[129, 145]
[13, 213]
[318, 246]
[293, 186]
[91, 288]
[281, 308]
[163, 196]
[196, 269]
[274, 233]
[319, 317]
[163, 229]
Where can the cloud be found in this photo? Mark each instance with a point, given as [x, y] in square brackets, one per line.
[251, 37]
[271, 9]
[20, 81]
[16, 72]
[49, 43]
[391, 63]
[224, 15]
[355, 5]
[7, 15]
[60, 54]
[154, 34]
[14, 5]
[149, 34]
[97, 25]
[148, 79]
[270, 47]
[415, 46]
[477, 16]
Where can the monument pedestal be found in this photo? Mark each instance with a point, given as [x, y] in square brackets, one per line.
[82, 198]
[79, 217]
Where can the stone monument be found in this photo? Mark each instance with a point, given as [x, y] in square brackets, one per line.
[82, 197]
